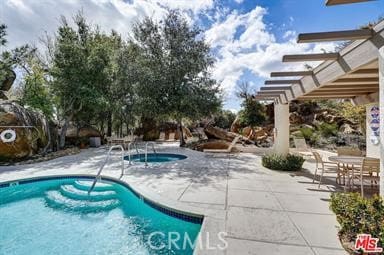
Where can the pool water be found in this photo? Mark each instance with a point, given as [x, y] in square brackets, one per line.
[58, 217]
[156, 157]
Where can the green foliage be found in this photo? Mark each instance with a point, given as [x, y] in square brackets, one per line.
[36, 90]
[3, 34]
[357, 215]
[307, 133]
[11, 59]
[327, 130]
[224, 119]
[252, 114]
[173, 80]
[283, 163]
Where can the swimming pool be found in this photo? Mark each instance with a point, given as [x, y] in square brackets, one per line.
[156, 157]
[56, 216]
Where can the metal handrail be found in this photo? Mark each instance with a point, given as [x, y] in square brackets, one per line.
[129, 151]
[97, 177]
[146, 151]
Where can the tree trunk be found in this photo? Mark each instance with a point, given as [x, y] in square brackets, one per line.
[121, 128]
[182, 141]
[63, 133]
[109, 124]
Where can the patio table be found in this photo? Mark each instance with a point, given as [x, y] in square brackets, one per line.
[348, 164]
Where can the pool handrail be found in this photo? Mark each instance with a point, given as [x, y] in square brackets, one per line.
[97, 177]
[146, 151]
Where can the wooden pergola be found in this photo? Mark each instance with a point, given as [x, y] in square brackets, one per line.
[356, 73]
[351, 73]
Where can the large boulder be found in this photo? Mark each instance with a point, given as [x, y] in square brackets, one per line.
[77, 136]
[87, 131]
[34, 133]
[295, 118]
[219, 133]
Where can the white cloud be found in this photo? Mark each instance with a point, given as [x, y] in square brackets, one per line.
[289, 34]
[195, 6]
[254, 49]
[239, 1]
[27, 20]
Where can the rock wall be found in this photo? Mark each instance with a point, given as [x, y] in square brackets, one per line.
[41, 136]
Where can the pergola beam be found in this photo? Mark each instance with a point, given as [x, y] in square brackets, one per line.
[310, 57]
[273, 93]
[265, 98]
[344, 88]
[367, 71]
[275, 88]
[279, 82]
[336, 2]
[335, 36]
[333, 93]
[295, 73]
[357, 80]
[302, 98]
[376, 85]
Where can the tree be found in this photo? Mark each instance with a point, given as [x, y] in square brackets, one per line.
[79, 70]
[174, 64]
[35, 91]
[10, 59]
[224, 119]
[356, 113]
[252, 113]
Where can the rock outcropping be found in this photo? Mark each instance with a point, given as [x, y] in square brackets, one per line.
[34, 133]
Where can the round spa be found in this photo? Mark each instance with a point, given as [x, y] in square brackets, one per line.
[156, 157]
[56, 215]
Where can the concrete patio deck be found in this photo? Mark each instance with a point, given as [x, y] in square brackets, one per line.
[262, 211]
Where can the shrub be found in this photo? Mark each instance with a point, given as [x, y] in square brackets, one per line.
[307, 133]
[327, 129]
[358, 215]
[284, 163]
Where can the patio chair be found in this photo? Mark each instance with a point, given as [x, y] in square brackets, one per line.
[326, 166]
[161, 137]
[370, 169]
[349, 151]
[171, 137]
[301, 147]
[228, 150]
[127, 139]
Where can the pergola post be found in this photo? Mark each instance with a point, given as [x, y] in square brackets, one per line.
[381, 101]
[281, 135]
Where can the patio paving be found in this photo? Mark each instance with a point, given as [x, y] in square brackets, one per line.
[262, 211]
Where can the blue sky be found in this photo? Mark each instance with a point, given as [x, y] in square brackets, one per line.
[248, 37]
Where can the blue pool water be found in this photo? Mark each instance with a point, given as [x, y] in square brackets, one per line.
[58, 217]
[156, 157]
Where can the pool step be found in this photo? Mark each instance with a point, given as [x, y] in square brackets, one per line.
[56, 199]
[86, 185]
[73, 192]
